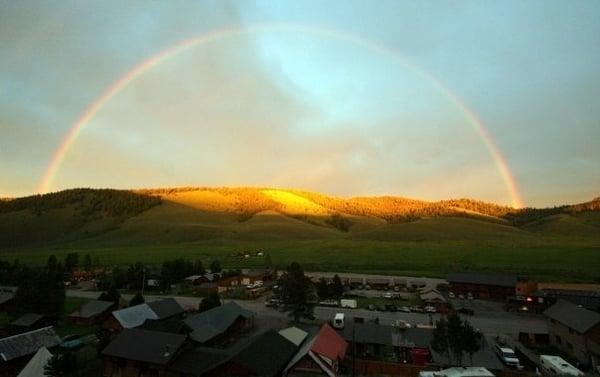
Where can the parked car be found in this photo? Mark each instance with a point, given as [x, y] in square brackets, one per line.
[396, 288]
[508, 356]
[71, 342]
[404, 309]
[470, 296]
[417, 309]
[466, 311]
[387, 295]
[338, 321]
[461, 296]
[371, 307]
[451, 295]
[332, 303]
[430, 309]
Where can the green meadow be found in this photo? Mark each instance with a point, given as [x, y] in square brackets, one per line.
[551, 258]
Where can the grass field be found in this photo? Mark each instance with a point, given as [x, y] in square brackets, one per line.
[548, 258]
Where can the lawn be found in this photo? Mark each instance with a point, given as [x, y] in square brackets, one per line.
[549, 258]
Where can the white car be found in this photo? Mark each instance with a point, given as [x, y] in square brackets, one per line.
[430, 309]
[508, 356]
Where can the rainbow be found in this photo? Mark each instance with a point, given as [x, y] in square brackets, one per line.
[138, 70]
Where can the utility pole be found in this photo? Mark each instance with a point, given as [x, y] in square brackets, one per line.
[143, 279]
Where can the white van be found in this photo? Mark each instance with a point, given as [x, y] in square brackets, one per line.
[348, 303]
[557, 366]
[338, 320]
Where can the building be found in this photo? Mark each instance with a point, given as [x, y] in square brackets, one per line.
[228, 284]
[35, 366]
[92, 312]
[575, 330]
[483, 285]
[378, 283]
[16, 351]
[218, 323]
[199, 361]
[30, 321]
[432, 297]
[135, 316]
[137, 352]
[321, 354]
[206, 288]
[254, 276]
[374, 341]
[266, 356]
[6, 300]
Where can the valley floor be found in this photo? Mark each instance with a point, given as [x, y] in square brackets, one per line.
[557, 259]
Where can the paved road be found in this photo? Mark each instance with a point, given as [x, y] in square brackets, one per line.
[489, 323]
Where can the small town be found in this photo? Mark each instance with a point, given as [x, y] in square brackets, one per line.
[185, 320]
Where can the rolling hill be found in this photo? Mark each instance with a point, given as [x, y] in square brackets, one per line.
[179, 215]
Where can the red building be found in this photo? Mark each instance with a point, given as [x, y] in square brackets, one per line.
[483, 285]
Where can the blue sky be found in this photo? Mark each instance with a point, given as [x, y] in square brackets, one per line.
[306, 110]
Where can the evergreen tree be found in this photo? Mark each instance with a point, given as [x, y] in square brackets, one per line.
[112, 294]
[137, 299]
[211, 301]
[323, 289]
[215, 266]
[453, 337]
[297, 292]
[337, 288]
[71, 262]
[199, 268]
[60, 365]
[87, 263]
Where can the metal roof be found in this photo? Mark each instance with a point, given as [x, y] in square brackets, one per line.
[92, 308]
[166, 308]
[573, 316]
[208, 324]
[500, 280]
[27, 343]
[35, 366]
[27, 320]
[294, 335]
[6, 296]
[134, 316]
[147, 346]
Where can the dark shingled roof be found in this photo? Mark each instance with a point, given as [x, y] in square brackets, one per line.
[573, 316]
[6, 297]
[173, 326]
[92, 308]
[147, 346]
[208, 324]
[500, 280]
[27, 343]
[166, 308]
[27, 320]
[267, 355]
[374, 333]
[199, 361]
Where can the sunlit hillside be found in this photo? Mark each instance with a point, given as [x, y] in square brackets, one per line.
[167, 216]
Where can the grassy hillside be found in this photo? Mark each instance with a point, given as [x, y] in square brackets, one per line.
[376, 234]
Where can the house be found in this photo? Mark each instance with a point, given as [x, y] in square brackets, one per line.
[195, 279]
[92, 312]
[218, 323]
[6, 300]
[228, 284]
[137, 352]
[374, 341]
[135, 316]
[17, 350]
[30, 321]
[434, 298]
[378, 283]
[322, 354]
[266, 356]
[255, 276]
[483, 285]
[35, 366]
[206, 288]
[355, 282]
[575, 330]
